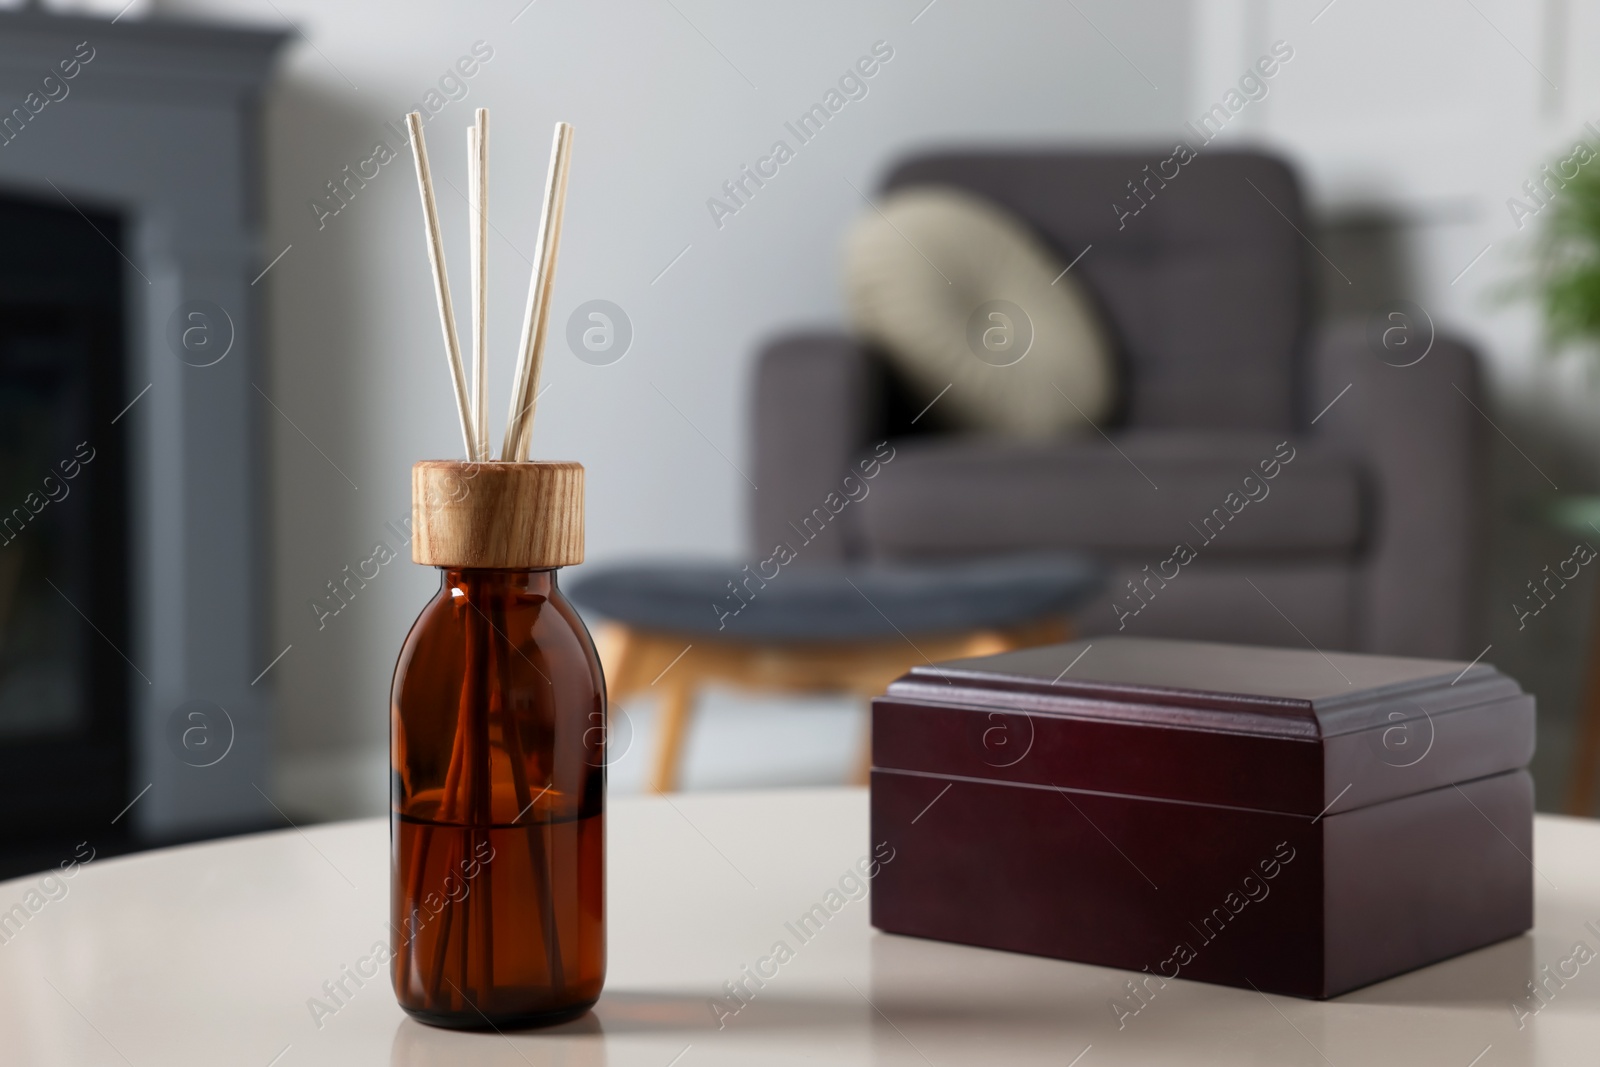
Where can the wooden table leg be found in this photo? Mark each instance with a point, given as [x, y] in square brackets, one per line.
[621, 657]
[677, 702]
[862, 668]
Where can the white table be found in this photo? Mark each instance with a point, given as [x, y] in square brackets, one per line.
[209, 954]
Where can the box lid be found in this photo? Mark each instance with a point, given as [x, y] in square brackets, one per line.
[1290, 730]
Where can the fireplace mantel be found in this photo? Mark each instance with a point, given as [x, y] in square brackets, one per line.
[161, 127]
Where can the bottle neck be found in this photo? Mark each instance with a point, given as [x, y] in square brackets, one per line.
[531, 582]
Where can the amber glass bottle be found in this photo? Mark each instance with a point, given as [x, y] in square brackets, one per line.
[498, 749]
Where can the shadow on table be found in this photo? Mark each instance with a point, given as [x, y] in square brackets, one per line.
[619, 1013]
[892, 1003]
[569, 1045]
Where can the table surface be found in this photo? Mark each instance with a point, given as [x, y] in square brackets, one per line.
[211, 954]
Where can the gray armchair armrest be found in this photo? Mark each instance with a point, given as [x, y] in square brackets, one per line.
[817, 405]
[1423, 445]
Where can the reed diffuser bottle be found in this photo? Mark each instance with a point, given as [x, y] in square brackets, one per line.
[497, 713]
[498, 747]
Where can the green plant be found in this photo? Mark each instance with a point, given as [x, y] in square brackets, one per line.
[1567, 272]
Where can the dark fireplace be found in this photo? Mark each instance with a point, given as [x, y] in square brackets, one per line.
[64, 753]
[135, 705]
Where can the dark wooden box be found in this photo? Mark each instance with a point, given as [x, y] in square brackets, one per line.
[1296, 822]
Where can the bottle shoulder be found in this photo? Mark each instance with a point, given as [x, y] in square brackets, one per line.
[537, 630]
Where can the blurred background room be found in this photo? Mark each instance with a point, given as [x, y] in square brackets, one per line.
[219, 349]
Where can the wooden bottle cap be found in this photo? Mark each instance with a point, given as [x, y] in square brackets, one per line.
[509, 516]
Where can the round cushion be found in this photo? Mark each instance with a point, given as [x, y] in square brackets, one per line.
[960, 293]
[825, 603]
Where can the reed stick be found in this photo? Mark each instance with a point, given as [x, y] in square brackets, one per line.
[442, 944]
[478, 199]
[530, 354]
[477, 784]
[407, 949]
[537, 832]
[441, 281]
[455, 807]
[419, 858]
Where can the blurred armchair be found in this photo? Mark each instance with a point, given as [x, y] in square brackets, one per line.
[1369, 538]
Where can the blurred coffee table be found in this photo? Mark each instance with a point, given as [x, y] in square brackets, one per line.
[677, 627]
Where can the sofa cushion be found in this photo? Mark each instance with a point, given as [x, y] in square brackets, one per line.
[964, 299]
[1135, 496]
[1205, 288]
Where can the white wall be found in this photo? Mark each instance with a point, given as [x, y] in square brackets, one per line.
[661, 96]
[1435, 112]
